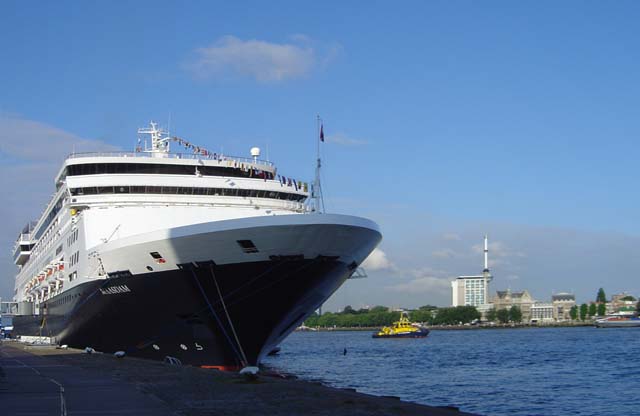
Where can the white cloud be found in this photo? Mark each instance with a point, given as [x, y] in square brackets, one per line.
[377, 260]
[29, 140]
[425, 284]
[499, 253]
[343, 139]
[444, 253]
[451, 237]
[32, 153]
[423, 280]
[498, 249]
[261, 60]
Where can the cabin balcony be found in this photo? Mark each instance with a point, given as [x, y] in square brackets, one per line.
[22, 249]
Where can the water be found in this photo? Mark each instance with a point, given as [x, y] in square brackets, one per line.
[551, 371]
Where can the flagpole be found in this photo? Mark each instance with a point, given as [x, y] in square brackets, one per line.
[318, 138]
[317, 188]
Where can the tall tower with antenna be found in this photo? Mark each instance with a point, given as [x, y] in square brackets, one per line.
[473, 290]
[486, 274]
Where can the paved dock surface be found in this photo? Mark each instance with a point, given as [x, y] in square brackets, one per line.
[33, 384]
[37, 381]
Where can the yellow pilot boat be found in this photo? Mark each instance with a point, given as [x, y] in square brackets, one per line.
[402, 329]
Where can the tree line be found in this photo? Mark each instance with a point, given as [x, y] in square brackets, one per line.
[431, 315]
[513, 314]
[382, 316]
[597, 308]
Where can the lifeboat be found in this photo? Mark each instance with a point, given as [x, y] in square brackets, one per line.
[402, 329]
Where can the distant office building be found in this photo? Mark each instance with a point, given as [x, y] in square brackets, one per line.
[473, 290]
[542, 312]
[505, 299]
[562, 304]
[469, 290]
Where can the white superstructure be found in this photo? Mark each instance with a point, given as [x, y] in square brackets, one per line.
[106, 197]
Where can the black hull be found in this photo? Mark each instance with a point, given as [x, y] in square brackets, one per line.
[179, 313]
[420, 334]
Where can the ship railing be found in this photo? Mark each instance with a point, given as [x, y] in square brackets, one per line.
[187, 156]
[25, 237]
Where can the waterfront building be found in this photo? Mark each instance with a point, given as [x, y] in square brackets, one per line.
[542, 312]
[562, 304]
[505, 299]
[473, 290]
[622, 303]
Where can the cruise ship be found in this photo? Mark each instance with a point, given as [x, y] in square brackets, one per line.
[196, 256]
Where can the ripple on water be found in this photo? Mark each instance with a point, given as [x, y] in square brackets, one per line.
[565, 371]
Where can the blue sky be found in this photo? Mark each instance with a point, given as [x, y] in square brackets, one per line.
[444, 120]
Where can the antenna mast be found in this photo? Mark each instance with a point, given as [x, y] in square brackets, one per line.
[159, 144]
[486, 273]
[486, 253]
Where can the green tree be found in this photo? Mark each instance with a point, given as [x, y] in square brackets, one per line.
[602, 309]
[638, 307]
[583, 311]
[503, 315]
[515, 314]
[601, 297]
[628, 298]
[312, 320]
[593, 308]
[573, 312]
[348, 309]
[421, 315]
[491, 315]
[328, 319]
[456, 315]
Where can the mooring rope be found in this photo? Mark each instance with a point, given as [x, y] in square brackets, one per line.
[224, 307]
[215, 315]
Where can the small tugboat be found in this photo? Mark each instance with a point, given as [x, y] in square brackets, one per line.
[402, 329]
[618, 321]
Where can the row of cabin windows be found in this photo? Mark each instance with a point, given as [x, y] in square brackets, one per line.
[72, 238]
[75, 258]
[65, 299]
[239, 171]
[173, 190]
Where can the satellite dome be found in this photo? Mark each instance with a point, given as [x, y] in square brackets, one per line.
[255, 151]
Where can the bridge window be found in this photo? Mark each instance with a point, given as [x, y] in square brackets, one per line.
[173, 190]
[164, 169]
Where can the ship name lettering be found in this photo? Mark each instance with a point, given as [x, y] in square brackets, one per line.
[114, 290]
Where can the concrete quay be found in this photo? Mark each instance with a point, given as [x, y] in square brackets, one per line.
[43, 381]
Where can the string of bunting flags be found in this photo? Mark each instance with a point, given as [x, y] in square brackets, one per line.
[196, 149]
